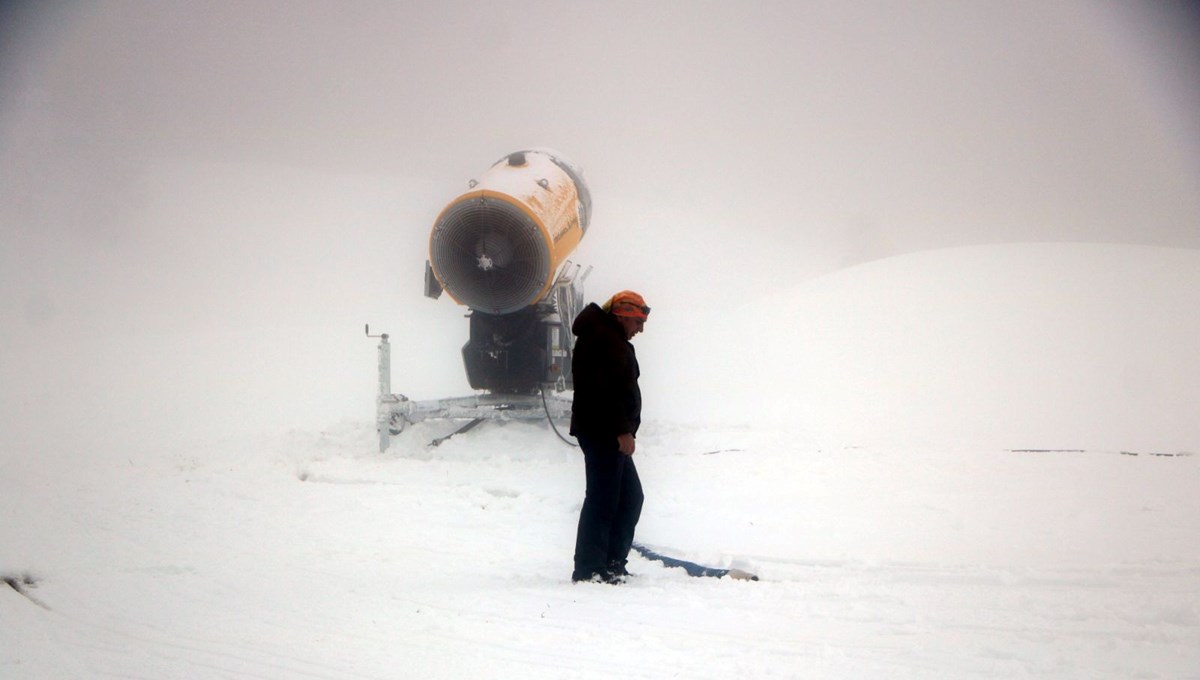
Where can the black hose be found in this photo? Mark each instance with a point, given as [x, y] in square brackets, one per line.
[546, 408]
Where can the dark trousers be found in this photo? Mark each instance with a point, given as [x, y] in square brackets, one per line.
[611, 507]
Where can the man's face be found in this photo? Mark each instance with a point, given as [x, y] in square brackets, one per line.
[631, 325]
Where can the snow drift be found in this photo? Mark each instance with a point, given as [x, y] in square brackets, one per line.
[1032, 345]
[224, 552]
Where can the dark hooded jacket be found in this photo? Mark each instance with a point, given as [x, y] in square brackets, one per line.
[604, 369]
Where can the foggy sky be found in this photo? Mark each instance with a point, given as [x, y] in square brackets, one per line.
[220, 166]
[820, 125]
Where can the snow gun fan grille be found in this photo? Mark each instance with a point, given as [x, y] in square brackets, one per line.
[490, 255]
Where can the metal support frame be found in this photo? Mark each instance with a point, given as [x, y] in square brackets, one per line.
[394, 411]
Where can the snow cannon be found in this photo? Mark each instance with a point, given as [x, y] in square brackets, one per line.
[498, 247]
[501, 250]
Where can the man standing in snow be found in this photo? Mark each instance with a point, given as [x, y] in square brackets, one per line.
[605, 416]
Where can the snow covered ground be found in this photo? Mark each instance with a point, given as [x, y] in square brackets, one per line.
[136, 548]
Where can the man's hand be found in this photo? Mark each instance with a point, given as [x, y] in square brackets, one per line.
[626, 443]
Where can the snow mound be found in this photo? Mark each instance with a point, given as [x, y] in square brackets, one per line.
[1030, 345]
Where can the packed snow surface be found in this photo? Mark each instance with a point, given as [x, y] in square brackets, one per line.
[160, 549]
[313, 556]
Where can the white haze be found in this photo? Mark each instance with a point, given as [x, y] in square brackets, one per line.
[228, 191]
[882, 245]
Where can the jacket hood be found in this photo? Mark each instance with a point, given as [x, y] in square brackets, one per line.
[594, 320]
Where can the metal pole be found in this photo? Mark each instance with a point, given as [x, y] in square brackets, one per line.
[385, 391]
